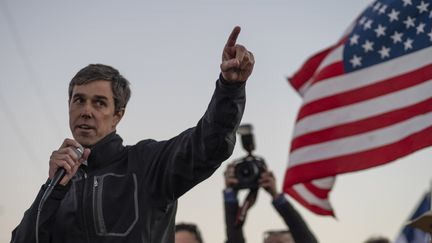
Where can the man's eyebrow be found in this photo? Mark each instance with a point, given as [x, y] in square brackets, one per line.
[101, 97]
[78, 95]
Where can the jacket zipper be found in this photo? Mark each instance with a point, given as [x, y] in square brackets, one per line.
[96, 208]
[83, 205]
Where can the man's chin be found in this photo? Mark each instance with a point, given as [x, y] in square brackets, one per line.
[85, 141]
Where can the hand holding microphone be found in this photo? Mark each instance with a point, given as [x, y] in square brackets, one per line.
[63, 165]
[65, 161]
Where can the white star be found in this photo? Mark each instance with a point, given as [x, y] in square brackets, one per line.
[362, 20]
[409, 22]
[382, 9]
[430, 35]
[423, 7]
[430, 14]
[396, 37]
[420, 28]
[408, 44]
[407, 2]
[384, 52]
[380, 30]
[394, 15]
[368, 46]
[354, 39]
[377, 6]
[356, 61]
[368, 24]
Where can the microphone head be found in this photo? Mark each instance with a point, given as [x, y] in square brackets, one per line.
[79, 151]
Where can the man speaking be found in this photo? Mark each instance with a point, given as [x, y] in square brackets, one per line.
[102, 191]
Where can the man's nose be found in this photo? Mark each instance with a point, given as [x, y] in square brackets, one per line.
[87, 110]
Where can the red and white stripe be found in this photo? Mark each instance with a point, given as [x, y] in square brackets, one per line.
[353, 121]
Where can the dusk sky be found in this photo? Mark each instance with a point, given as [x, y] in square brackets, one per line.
[170, 51]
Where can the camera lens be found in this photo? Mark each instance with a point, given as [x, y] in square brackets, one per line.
[247, 172]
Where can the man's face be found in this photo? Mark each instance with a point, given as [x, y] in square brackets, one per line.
[91, 112]
[184, 236]
[279, 238]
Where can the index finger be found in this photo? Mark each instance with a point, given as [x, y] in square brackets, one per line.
[233, 37]
[70, 143]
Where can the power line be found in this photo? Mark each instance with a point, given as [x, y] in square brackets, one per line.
[8, 115]
[28, 67]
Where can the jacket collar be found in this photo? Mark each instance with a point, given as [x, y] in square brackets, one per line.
[105, 151]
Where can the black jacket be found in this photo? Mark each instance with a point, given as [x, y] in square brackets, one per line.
[129, 193]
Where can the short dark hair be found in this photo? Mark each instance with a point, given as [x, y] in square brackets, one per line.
[378, 239]
[191, 228]
[94, 72]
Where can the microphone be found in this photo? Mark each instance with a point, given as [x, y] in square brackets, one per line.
[60, 173]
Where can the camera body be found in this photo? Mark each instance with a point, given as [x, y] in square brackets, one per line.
[248, 169]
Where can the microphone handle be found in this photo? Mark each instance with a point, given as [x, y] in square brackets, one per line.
[60, 173]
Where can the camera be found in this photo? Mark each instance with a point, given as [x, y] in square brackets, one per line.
[248, 169]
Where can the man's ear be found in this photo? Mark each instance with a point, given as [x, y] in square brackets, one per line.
[118, 116]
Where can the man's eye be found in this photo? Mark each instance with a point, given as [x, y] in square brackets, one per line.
[100, 103]
[78, 100]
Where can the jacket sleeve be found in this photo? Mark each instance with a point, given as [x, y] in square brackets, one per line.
[234, 233]
[174, 166]
[297, 226]
[26, 230]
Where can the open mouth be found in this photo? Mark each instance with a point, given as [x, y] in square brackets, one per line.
[85, 127]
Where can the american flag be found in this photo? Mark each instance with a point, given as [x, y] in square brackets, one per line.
[367, 100]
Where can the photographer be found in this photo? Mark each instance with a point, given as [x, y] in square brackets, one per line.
[298, 230]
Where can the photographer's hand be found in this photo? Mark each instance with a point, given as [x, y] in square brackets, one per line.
[230, 179]
[268, 182]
